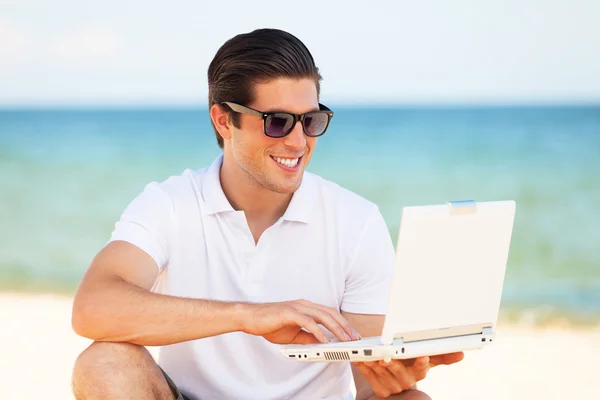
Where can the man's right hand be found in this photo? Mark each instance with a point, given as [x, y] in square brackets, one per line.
[295, 322]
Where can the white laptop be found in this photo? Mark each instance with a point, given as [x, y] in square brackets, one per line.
[447, 285]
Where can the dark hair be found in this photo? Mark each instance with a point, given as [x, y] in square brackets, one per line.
[255, 57]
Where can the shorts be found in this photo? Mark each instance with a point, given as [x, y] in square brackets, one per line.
[176, 392]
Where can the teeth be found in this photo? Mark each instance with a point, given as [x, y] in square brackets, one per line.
[288, 162]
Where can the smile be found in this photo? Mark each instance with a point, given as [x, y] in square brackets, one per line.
[287, 162]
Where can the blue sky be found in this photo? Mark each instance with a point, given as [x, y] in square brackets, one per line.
[113, 52]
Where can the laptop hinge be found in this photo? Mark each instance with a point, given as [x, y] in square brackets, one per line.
[487, 331]
[474, 329]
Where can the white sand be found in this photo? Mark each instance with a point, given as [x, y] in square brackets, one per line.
[38, 348]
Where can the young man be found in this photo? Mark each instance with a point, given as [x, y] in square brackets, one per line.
[221, 265]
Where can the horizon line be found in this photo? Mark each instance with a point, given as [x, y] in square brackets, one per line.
[138, 105]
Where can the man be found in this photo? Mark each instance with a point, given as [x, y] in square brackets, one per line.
[221, 265]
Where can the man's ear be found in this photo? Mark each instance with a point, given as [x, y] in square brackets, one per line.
[220, 118]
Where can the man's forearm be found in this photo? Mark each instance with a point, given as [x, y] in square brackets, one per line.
[121, 312]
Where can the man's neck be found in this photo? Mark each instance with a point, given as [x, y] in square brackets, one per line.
[261, 206]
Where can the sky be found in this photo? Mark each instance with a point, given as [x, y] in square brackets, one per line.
[146, 52]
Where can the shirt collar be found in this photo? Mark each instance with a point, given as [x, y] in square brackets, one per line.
[303, 201]
[212, 191]
[298, 210]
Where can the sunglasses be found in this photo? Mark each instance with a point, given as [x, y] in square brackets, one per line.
[279, 124]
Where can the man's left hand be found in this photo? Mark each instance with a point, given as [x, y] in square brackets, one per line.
[399, 375]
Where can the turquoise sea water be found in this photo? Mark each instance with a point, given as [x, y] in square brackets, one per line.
[66, 175]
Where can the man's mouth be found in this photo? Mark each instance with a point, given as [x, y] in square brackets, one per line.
[288, 163]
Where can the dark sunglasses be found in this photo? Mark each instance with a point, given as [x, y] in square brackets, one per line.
[279, 124]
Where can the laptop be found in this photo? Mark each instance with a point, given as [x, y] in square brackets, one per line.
[446, 290]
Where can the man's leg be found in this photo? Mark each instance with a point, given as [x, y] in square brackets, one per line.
[411, 395]
[108, 370]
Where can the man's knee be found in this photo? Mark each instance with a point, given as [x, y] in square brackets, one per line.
[108, 354]
[105, 367]
[412, 395]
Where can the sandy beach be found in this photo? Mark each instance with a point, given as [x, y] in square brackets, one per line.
[38, 348]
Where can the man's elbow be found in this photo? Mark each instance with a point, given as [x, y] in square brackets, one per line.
[84, 321]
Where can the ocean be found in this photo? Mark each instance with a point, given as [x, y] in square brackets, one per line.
[67, 174]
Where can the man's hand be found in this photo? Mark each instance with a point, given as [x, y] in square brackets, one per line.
[400, 375]
[295, 322]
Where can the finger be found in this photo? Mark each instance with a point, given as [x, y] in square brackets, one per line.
[326, 320]
[343, 322]
[307, 323]
[420, 368]
[422, 362]
[378, 389]
[335, 314]
[387, 378]
[408, 362]
[304, 337]
[446, 359]
[402, 374]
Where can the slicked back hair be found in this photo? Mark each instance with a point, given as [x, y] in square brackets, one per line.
[256, 57]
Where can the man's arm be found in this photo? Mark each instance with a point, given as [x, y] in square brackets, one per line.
[390, 380]
[114, 303]
[366, 326]
[366, 379]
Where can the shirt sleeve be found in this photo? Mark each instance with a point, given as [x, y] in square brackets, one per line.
[146, 223]
[370, 274]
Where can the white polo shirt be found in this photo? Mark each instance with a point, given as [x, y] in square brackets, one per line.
[331, 247]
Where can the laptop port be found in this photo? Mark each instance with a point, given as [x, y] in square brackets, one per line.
[354, 351]
[368, 352]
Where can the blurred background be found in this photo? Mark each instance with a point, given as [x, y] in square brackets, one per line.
[434, 101]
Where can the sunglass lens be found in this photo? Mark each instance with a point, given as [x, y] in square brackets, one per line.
[278, 125]
[315, 123]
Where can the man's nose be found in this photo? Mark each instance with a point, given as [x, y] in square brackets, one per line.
[296, 137]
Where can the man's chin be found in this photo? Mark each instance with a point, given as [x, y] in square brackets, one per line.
[284, 187]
